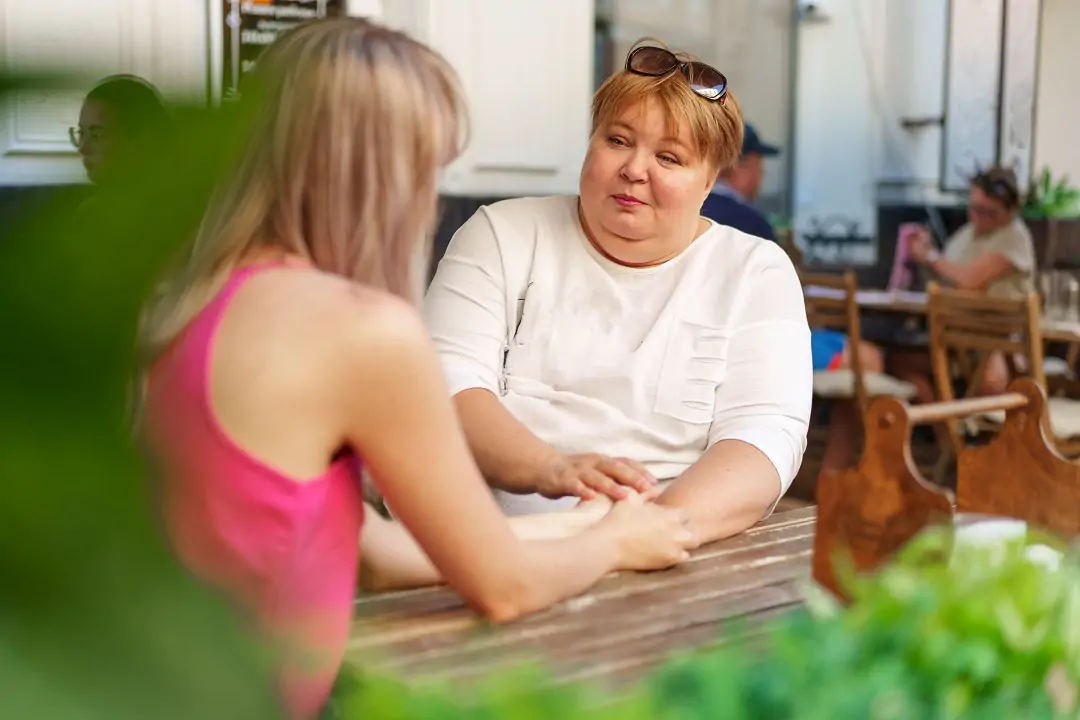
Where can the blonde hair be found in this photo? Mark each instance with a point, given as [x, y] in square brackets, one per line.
[351, 122]
[716, 129]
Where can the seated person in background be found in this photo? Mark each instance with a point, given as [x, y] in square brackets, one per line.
[993, 253]
[288, 352]
[117, 113]
[731, 203]
[732, 199]
[617, 337]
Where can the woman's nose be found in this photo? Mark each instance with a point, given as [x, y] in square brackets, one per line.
[635, 168]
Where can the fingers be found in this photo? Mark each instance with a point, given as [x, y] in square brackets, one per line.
[652, 493]
[578, 488]
[627, 472]
[603, 483]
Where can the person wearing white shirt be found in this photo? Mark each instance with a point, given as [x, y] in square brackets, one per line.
[616, 338]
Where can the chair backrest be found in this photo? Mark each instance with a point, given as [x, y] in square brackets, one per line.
[969, 327]
[869, 512]
[831, 304]
[785, 238]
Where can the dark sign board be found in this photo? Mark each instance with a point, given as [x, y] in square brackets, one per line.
[251, 25]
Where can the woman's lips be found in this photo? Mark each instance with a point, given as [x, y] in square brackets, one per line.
[627, 200]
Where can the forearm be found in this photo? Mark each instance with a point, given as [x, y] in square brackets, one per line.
[725, 492]
[507, 453]
[957, 275]
[391, 559]
[559, 569]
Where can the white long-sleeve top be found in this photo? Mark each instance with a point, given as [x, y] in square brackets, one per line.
[655, 364]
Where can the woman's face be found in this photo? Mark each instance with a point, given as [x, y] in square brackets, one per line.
[640, 181]
[97, 136]
[985, 212]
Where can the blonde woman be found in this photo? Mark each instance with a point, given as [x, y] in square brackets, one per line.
[615, 337]
[288, 351]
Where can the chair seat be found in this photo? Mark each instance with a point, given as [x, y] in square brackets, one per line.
[833, 384]
[1064, 417]
[1057, 367]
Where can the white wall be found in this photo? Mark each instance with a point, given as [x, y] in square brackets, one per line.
[862, 66]
[1057, 103]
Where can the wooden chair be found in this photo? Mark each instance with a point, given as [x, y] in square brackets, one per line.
[966, 328]
[869, 512]
[831, 304]
[786, 239]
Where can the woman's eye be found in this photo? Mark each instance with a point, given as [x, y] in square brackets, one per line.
[616, 140]
[669, 159]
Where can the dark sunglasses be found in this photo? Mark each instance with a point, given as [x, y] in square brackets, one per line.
[705, 80]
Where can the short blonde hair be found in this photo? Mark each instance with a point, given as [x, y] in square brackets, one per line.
[716, 129]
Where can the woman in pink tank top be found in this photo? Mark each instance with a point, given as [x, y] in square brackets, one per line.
[287, 353]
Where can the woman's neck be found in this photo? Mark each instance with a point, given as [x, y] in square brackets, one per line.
[643, 253]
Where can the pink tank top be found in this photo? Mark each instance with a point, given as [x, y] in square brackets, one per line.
[286, 550]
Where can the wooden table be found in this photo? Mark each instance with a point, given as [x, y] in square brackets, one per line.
[626, 624]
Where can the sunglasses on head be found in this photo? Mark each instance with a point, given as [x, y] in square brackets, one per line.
[994, 185]
[705, 80]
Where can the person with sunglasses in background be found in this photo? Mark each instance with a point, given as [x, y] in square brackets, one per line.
[615, 339]
[992, 253]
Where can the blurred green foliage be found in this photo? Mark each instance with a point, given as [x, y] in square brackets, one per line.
[943, 633]
[1049, 198]
[97, 619]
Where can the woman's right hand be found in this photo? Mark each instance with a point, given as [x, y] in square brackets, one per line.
[648, 536]
[588, 475]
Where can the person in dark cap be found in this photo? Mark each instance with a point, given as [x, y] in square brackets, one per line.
[731, 202]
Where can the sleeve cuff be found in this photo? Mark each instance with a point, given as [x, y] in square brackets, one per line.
[783, 449]
[460, 379]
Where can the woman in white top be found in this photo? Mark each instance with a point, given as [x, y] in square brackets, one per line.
[617, 338]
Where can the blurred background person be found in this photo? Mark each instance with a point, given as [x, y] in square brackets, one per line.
[116, 115]
[733, 197]
[992, 253]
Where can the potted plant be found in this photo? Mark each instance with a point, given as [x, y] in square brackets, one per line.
[1052, 212]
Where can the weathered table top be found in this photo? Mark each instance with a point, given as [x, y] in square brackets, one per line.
[623, 626]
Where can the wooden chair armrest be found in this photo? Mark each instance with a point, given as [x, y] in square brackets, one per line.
[957, 409]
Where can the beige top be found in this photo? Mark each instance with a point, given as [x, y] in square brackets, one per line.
[1012, 241]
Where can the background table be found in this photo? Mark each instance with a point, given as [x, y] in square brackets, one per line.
[622, 627]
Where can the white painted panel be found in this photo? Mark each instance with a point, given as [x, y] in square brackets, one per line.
[913, 87]
[527, 69]
[1058, 102]
[971, 110]
[836, 150]
[1021, 53]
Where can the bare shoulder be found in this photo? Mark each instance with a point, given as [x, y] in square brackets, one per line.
[380, 326]
[332, 322]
